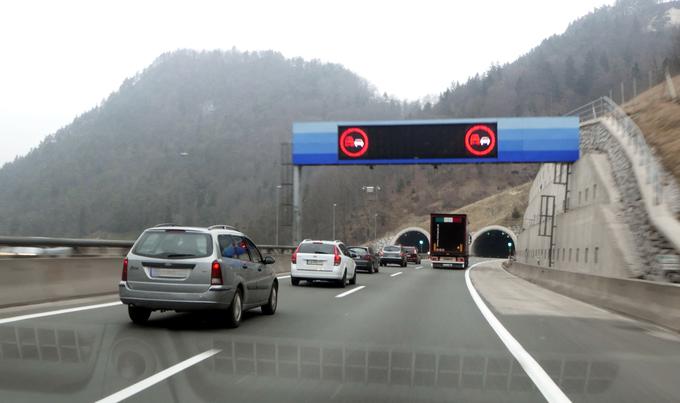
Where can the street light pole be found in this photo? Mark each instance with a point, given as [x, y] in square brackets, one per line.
[373, 189]
[278, 195]
[375, 226]
[334, 206]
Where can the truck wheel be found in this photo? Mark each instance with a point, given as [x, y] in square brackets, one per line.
[139, 316]
[235, 311]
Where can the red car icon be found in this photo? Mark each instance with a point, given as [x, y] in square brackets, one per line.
[352, 142]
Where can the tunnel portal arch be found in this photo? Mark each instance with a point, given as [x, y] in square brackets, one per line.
[493, 241]
[412, 236]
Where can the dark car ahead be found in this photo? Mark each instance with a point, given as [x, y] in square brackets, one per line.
[412, 254]
[365, 258]
[393, 254]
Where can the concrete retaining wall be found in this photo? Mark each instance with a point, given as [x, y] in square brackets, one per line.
[30, 281]
[647, 300]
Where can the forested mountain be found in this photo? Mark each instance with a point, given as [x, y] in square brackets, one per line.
[615, 44]
[195, 138]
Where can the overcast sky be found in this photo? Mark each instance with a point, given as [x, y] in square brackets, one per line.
[61, 58]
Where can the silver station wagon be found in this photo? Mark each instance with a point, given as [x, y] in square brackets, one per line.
[189, 268]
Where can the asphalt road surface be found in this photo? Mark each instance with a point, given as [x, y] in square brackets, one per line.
[414, 336]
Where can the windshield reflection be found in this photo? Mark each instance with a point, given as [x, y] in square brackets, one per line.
[58, 364]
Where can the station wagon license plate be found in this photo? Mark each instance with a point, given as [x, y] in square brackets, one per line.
[171, 273]
[315, 262]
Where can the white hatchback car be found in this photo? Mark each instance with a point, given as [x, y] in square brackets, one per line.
[323, 260]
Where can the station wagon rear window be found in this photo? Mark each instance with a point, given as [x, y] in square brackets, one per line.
[317, 248]
[174, 244]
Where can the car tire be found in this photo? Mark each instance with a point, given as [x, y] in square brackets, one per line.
[343, 282]
[270, 307]
[294, 281]
[235, 311]
[353, 280]
[138, 316]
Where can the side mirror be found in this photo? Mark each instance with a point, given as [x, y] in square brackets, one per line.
[268, 260]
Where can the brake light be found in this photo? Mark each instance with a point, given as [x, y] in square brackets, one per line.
[125, 264]
[381, 253]
[216, 273]
[336, 258]
[367, 257]
[434, 258]
[293, 258]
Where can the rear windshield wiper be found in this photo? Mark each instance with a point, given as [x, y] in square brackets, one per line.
[181, 255]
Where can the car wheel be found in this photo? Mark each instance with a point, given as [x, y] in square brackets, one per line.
[139, 316]
[353, 280]
[270, 307]
[294, 281]
[343, 283]
[235, 310]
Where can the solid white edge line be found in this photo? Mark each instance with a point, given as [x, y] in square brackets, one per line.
[346, 293]
[396, 274]
[57, 312]
[539, 377]
[419, 267]
[154, 379]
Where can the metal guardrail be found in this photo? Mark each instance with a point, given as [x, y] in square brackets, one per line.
[70, 242]
[96, 243]
[605, 107]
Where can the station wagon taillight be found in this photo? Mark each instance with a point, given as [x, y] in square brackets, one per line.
[336, 258]
[125, 264]
[293, 258]
[216, 273]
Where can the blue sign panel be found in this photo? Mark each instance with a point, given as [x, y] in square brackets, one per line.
[451, 141]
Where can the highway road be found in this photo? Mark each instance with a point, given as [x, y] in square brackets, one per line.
[403, 335]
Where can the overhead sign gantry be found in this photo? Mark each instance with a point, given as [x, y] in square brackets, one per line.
[434, 142]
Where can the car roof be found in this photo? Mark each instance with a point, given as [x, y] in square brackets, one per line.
[321, 241]
[197, 229]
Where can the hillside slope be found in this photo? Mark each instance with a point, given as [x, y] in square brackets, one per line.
[659, 119]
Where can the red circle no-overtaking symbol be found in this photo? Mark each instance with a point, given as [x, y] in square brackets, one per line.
[354, 142]
[472, 137]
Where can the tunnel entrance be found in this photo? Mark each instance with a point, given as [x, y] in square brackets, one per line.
[494, 241]
[417, 237]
